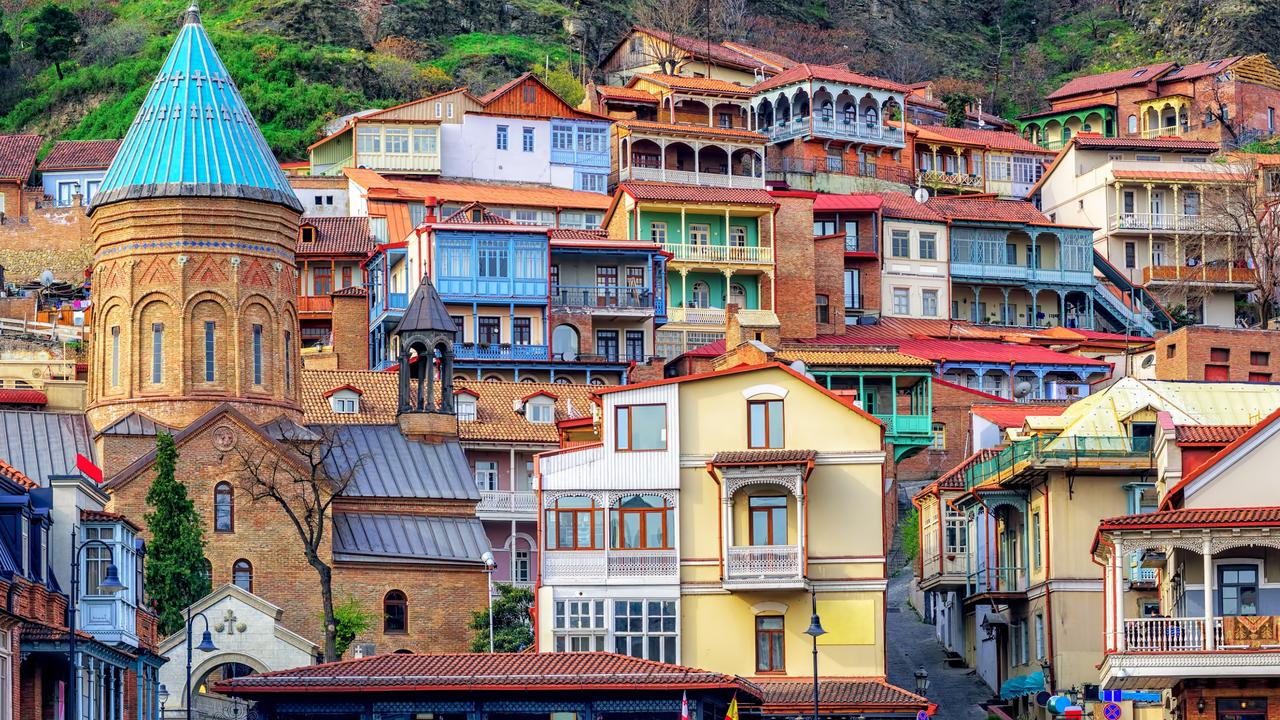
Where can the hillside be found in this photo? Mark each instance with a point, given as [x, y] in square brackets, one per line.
[301, 64]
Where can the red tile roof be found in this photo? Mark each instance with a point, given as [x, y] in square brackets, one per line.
[988, 209]
[866, 202]
[1196, 517]
[626, 93]
[762, 457]
[646, 190]
[17, 476]
[953, 479]
[699, 48]
[710, 350]
[944, 351]
[994, 139]
[463, 217]
[489, 672]
[1015, 414]
[698, 84]
[805, 71]
[338, 236]
[689, 129]
[778, 60]
[87, 515]
[1174, 496]
[18, 156]
[352, 291]
[1109, 80]
[901, 206]
[1200, 69]
[496, 194]
[20, 396]
[1205, 176]
[1209, 434]
[80, 155]
[844, 694]
[1068, 106]
[1170, 144]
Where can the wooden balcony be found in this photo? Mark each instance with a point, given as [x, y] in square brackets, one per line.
[1155, 653]
[1226, 274]
[401, 162]
[696, 316]
[315, 304]
[943, 571]
[763, 567]
[950, 180]
[691, 177]
[719, 254]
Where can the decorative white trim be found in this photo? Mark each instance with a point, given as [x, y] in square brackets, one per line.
[703, 590]
[849, 561]
[764, 389]
[850, 585]
[699, 563]
[769, 607]
[834, 457]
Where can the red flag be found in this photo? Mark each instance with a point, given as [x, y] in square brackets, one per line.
[88, 469]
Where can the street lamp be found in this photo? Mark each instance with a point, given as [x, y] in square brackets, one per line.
[163, 695]
[110, 585]
[206, 645]
[814, 630]
[922, 682]
[489, 565]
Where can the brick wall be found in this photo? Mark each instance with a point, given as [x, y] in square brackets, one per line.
[795, 264]
[351, 331]
[1244, 688]
[580, 320]
[1202, 352]
[869, 273]
[57, 238]
[18, 308]
[828, 279]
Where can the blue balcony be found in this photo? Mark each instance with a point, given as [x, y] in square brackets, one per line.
[582, 159]
[1019, 274]
[467, 289]
[499, 351]
[603, 298]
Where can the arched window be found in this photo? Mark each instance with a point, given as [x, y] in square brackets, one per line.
[224, 510]
[850, 113]
[738, 295]
[564, 342]
[642, 522]
[207, 571]
[872, 116]
[395, 612]
[575, 523]
[1133, 124]
[699, 295]
[828, 111]
[242, 574]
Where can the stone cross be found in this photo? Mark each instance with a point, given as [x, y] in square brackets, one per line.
[229, 619]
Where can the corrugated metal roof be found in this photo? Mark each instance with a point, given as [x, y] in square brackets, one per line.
[390, 465]
[285, 430]
[135, 424]
[40, 444]
[371, 536]
[194, 136]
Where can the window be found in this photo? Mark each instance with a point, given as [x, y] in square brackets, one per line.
[345, 402]
[764, 424]
[397, 140]
[579, 625]
[901, 243]
[97, 557]
[490, 330]
[1129, 202]
[928, 246]
[287, 357]
[157, 353]
[115, 356]
[929, 303]
[521, 331]
[1271, 119]
[1148, 158]
[1133, 124]
[640, 427]
[1171, 350]
[1219, 355]
[1040, 639]
[242, 575]
[575, 523]
[448, 110]
[493, 258]
[939, 436]
[1238, 589]
[368, 140]
[768, 519]
[1036, 540]
[378, 228]
[699, 234]
[853, 289]
[438, 108]
[6, 675]
[737, 236]
[901, 301]
[824, 227]
[530, 93]
[425, 142]
[321, 280]
[1258, 357]
[521, 566]
[822, 307]
[501, 141]
[526, 140]
[955, 534]
[257, 354]
[1259, 377]
[540, 410]
[466, 407]
[642, 522]
[635, 345]
[1191, 203]
[769, 644]
[658, 232]
[224, 513]
[395, 612]
[593, 182]
[725, 120]
[645, 629]
[561, 137]
[1130, 255]
[486, 475]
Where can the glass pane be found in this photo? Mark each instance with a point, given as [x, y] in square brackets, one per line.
[669, 645]
[757, 424]
[622, 428]
[779, 526]
[759, 527]
[648, 427]
[762, 651]
[770, 622]
[631, 530]
[653, 530]
[584, 529]
[775, 424]
[777, 650]
[565, 523]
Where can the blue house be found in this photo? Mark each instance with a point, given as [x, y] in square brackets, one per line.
[387, 281]
[76, 168]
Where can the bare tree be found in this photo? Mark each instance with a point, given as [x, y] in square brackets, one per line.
[667, 21]
[303, 478]
[1216, 109]
[730, 19]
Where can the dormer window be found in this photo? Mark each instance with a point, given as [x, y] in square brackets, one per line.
[307, 234]
[477, 215]
[541, 410]
[345, 400]
[466, 406]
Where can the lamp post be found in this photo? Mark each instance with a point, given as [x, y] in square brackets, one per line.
[489, 565]
[110, 584]
[814, 631]
[922, 682]
[206, 645]
[163, 695]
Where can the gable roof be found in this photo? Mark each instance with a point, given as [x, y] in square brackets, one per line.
[827, 73]
[1014, 415]
[1174, 495]
[165, 154]
[694, 84]
[386, 464]
[499, 101]
[901, 206]
[463, 216]
[1110, 80]
[628, 94]
[135, 424]
[80, 155]
[696, 47]
[1208, 434]
[18, 156]
[994, 139]
[649, 190]
[40, 444]
[489, 194]
[1199, 69]
[989, 209]
[1171, 144]
[769, 57]
[348, 235]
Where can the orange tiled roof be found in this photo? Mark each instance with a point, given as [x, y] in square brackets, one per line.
[953, 479]
[1010, 415]
[828, 73]
[778, 60]
[1200, 69]
[1110, 80]
[103, 516]
[850, 357]
[988, 209]
[851, 696]
[696, 84]
[1209, 434]
[80, 154]
[1171, 144]
[699, 48]
[627, 93]
[994, 139]
[493, 194]
[1196, 517]
[338, 236]
[17, 476]
[646, 190]
[688, 129]
[756, 457]
[902, 206]
[1069, 105]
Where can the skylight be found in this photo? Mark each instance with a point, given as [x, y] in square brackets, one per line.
[1140, 73]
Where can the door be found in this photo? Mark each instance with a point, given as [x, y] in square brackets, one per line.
[635, 345]
[738, 295]
[1157, 253]
[1157, 210]
[1238, 590]
[606, 285]
[607, 344]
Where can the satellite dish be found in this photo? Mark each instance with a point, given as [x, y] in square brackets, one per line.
[46, 278]
[1022, 389]
[799, 367]
[1148, 361]
[921, 195]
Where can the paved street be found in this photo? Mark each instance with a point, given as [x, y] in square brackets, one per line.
[911, 643]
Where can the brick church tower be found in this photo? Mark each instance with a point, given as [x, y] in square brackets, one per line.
[194, 283]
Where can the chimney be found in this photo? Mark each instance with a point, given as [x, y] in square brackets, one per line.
[351, 328]
[430, 217]
[732, 330]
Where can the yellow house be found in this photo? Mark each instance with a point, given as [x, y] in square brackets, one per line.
[710, 516]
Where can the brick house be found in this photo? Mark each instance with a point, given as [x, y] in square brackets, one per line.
[1218, 354]
[17, 161]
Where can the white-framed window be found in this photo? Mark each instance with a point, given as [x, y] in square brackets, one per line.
[902, 301]
[939, 436]
[1040, 640]
[521, 565]
[540, 410]
[425, 142]
[929, 303]
[396, 140]
[345, 402]
[487, 474]
[579, 625]
[658, 232]
[955, 532]
[6, 675]
[928, 246]
[901, 243]
[368, 140]
[466, 407]
[737, 236]
[593, 182]
[439, 106]
[645, 629]
[699, 234]
[97, 556]
[448, 110]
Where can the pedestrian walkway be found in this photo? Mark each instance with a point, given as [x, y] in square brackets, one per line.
[912, 644]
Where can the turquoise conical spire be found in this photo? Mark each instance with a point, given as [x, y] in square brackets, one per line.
[194, 136]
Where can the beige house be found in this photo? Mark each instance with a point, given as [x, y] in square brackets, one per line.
[914, 278]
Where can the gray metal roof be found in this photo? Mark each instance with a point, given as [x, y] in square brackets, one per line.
[41, 444]
[135, 424]
[377, 536]
[390, 465]
[426, 312]
[285, 430]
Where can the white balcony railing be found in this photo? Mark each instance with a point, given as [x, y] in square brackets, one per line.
[573, 565]
[1166, 131]
[1170, 222]
[690, 177]
[518, 502]
[696, 316]
[642, 564]
[728, 254]
[763, 562]
[1164, 634]
[596, 566]
[404, 162]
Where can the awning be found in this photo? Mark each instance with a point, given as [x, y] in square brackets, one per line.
[1020, 685]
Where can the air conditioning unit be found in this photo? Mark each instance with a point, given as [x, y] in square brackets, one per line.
[364, 650]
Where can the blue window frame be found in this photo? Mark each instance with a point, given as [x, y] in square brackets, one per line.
[527, 140]
[502, 137]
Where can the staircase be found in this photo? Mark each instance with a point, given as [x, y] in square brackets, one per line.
[1127, 306]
